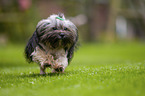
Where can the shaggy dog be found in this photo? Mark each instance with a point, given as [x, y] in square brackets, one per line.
[52, 44]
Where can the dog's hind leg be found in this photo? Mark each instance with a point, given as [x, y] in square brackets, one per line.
[42, 69]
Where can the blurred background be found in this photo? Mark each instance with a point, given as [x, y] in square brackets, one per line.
[97, 20]
[111, 58]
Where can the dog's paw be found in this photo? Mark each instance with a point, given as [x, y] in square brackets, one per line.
[49, 62]
[58, 69]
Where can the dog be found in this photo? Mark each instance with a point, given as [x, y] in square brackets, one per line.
[52, 44]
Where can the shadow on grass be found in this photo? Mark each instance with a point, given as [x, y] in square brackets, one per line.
[35, 75]
[44, 75]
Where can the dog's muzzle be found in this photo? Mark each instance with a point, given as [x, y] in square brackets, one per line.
[61, 35]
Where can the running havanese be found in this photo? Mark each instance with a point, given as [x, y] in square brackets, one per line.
[52, 44]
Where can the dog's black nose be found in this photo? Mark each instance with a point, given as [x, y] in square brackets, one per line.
[62, 35]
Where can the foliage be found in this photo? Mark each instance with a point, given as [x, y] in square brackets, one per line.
[96, 70]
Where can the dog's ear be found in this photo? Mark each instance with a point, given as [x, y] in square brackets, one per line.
[70, 53]
[31, 45]
[72, 48]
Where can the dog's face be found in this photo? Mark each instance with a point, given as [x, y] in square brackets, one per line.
[57, 32]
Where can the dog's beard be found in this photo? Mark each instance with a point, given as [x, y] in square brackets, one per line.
[57, 39]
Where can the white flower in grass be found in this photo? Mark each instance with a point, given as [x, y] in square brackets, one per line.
[31, 82]
[22, 73]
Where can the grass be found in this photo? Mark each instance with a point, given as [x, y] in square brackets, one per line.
[96, 70]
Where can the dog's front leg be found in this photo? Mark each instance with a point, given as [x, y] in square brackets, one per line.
[60, 65]
[47, 63]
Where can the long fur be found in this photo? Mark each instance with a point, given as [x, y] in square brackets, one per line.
[47, 37]
[30, 47]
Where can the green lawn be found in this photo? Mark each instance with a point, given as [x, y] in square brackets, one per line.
[96, 70]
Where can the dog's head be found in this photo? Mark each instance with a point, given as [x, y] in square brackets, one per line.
[56, 31]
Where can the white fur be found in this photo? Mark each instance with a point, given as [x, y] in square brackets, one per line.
[40, 56]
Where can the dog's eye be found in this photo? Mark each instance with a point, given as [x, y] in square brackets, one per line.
[54, 28]
[65, 28]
